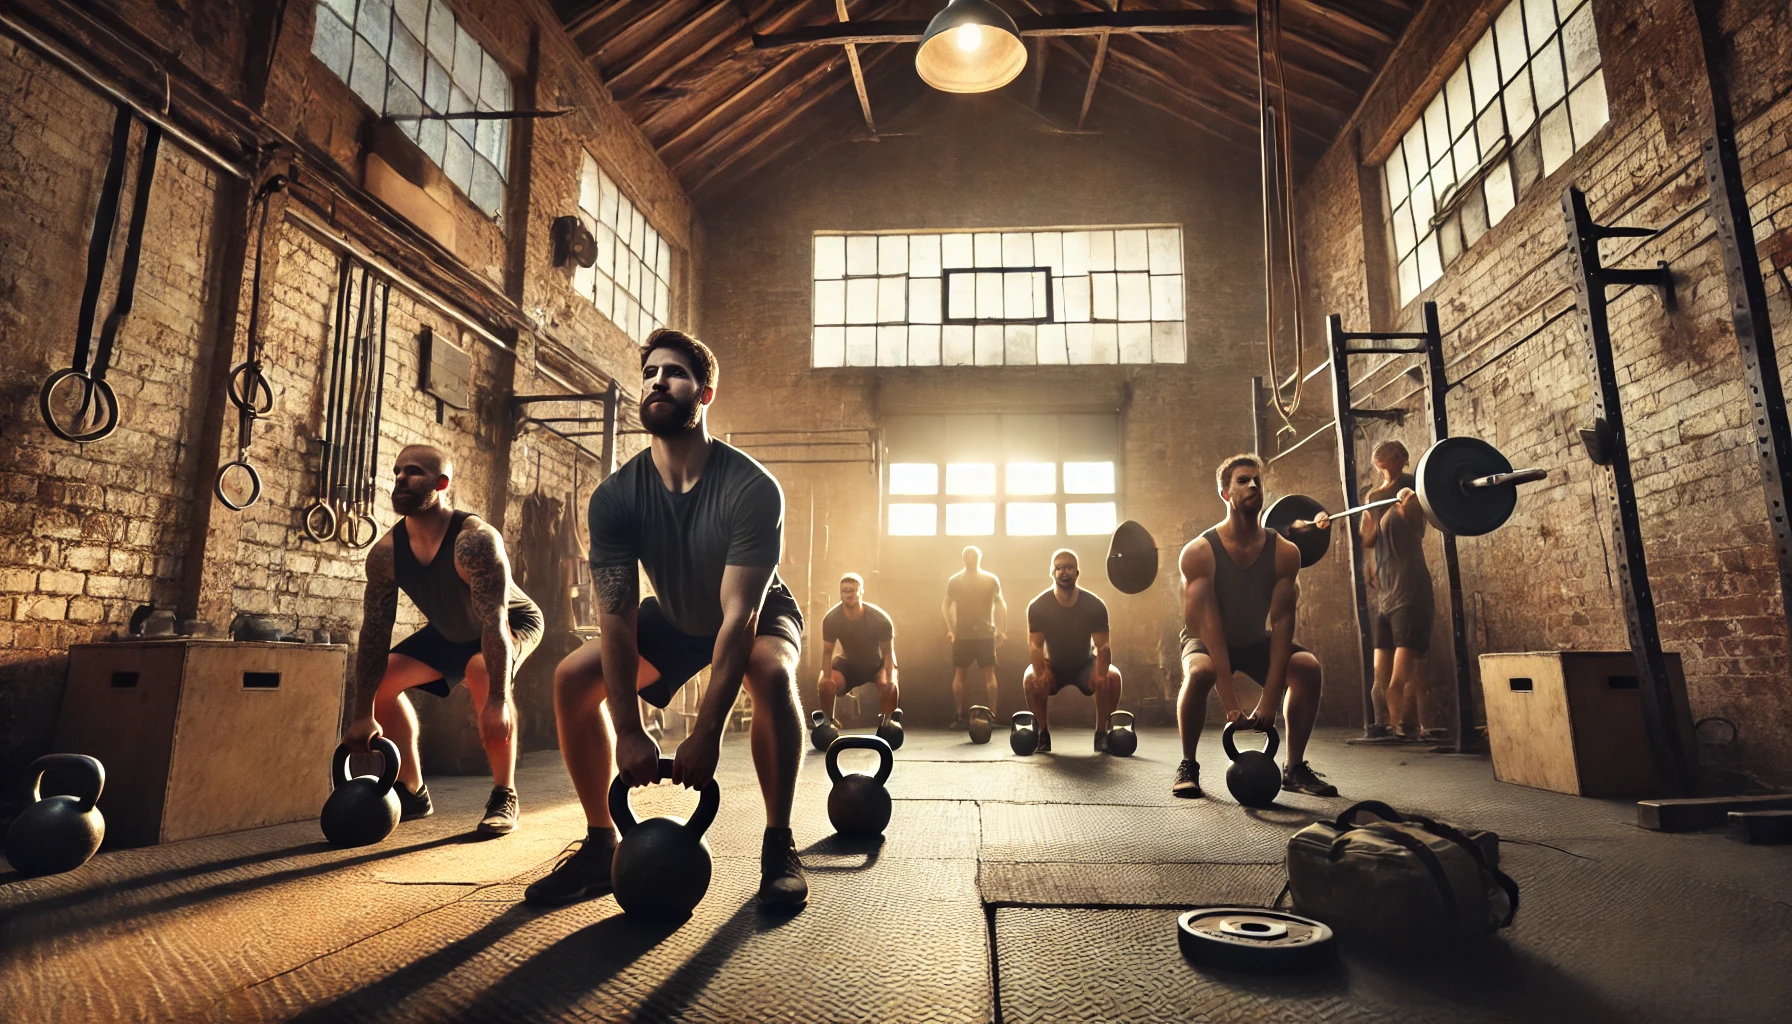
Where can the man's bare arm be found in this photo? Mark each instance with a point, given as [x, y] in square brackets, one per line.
[480, 559]
[1282, 604]
[947, 612]
[1104, 655]
[1036, 652]
[743, 590]
[887, 648]
[1201, 617]
[379, 609]
[1001, 611]
[618, 591]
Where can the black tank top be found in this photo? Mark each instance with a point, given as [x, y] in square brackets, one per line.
[437, 589]
[1243, 592]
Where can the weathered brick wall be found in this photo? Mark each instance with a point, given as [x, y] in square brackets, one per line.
[1547, 580]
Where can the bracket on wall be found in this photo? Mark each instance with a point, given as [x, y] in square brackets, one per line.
[611, 398]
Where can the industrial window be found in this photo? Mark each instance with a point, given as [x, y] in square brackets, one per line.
[1000, 298]
[1002, 475]
[631, 282]
[1530, 94]
[410, 57]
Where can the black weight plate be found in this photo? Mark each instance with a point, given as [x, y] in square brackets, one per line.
[1132, 559]
[1254, 939]
[1311, 540]
[1453, 508]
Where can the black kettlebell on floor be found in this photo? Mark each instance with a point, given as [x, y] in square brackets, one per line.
[821, 731]
[363, 810]
[1023, 733]
[1253, 778]
[1122, 741]
[889, 729]
[859, 805]
[662, 865]
[983, 723]
[58, 833]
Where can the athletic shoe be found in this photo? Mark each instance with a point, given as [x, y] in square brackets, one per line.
[1299, 777]
[412, 806]
[1045, 744]
[500, 812]
[1378, 731]
[1101, 741]
[959, 724]
[1188, 780]
[583, 872]
[782, 885]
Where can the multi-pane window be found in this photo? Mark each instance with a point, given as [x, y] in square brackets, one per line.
[410, 57]
[631, 282]
[1017, 499]
[1529, 95]
[1000, 298]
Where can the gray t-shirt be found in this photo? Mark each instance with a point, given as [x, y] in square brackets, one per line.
[1403, 579]
[734, 516]
[1068, 630]
[859, 640]
[975, 596]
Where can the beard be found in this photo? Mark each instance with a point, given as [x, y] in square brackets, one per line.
[665, 416]
[1065, 585]
[409, 503]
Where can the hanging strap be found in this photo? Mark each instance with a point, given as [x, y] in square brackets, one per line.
[99, 246]
[133, 249]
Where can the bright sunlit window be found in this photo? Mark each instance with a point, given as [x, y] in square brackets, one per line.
[1082, 518]
[1036, 483]
[1088, 478]
[1032, 518]
[971, 519]
[914, 478]
[632, 281]
[971, 478]
[1032, 478]
[914, 520]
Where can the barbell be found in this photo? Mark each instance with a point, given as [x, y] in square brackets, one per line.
[1465, 487]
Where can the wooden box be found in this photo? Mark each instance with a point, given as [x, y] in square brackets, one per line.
[1572, 721]
[204, 736]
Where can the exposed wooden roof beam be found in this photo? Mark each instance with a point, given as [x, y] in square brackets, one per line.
[1339, 15]
[858, 73]
[598, 13]
[619, 81]
[1101, 57]
[1081, 24]
[733, 109]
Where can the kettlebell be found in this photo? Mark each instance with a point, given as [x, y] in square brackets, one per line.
[859, 805]
[1253, 778]
[58, 833]
[1122, 741]
[1023, 733]
[889, 729]
[982, 723]
[821, 731]
[363, 810]
[662, 865]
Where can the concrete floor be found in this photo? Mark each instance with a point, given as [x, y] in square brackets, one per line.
[1067, 867]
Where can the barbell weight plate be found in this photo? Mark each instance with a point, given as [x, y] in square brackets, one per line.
[1312, 541]
[1464, 511]
[1132, 559]
[1254, 939]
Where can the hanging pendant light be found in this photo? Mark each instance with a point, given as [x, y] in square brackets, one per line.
[971, 46]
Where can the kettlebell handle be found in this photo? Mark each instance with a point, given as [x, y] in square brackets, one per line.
[886, 757]
[1113, 724]
[88, 766]
[1023, 718]
[709, 801]
[1270, 745]
[382, 746]
[816, 718]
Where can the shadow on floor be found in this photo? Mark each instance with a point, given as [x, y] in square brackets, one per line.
[837, 845]
[1488, 977]
[123, 885]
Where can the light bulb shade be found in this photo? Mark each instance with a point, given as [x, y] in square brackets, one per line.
[997, 56]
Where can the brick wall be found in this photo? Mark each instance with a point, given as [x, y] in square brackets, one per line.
[1547, 580]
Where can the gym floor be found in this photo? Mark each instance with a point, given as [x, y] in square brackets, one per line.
[1065, 869]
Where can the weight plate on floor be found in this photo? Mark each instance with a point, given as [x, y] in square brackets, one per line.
[1254, 939]
[1311, 540]
[1464, 511]
[1132, 559]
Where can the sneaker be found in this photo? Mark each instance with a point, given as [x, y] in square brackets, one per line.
[959, 724]
[1299, 777]
[413, 805]
[1188, 780]
[1045, 744]
[500, 812]
[782, 885]
[1378, 731]
[1101, 741]
[583, 872]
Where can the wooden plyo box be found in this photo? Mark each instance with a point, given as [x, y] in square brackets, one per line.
[1572, 721]
[204, 736]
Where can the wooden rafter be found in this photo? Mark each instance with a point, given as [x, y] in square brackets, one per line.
[1101, 57]
[858, 73]
[621, 80]
[1081, 24]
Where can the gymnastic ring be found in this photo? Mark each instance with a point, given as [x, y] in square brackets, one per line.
[352, 537]
[95, 386]
[254, 479]
[239, 395]
[328, 531]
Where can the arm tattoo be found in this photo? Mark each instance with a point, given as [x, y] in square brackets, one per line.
[479, 555]
[379, 608]
[618, 588]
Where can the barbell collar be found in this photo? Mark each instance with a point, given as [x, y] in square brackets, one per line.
[1519, 476]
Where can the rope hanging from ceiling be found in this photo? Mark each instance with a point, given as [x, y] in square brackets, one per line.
[1278, 181]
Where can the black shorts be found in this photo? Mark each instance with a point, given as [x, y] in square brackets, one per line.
[1252, 660]
[974, 650]
[1408, 626]
[1081, 678]
[855, 676]
[450, 659]
[679, 656]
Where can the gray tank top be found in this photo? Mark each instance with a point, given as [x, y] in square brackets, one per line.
[1243, 592]
[1400, 569]
[437, 589]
